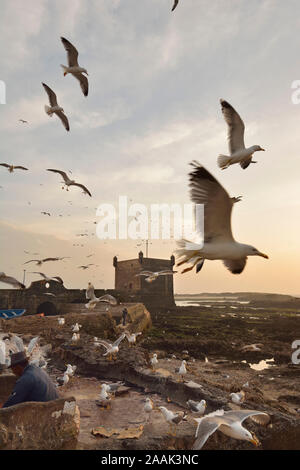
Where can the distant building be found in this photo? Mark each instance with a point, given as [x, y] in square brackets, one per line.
[135, 288]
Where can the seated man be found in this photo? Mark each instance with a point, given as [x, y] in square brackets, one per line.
[33, 384]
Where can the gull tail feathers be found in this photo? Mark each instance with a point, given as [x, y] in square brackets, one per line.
[223, 161]
[65, 69]
[189, 252]
[48, 110]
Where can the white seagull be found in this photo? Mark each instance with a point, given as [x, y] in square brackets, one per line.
[173, 419]
[238, 397]
[112, 349]
[197, 407]
[61, 321]
[152, 276]
[153, 360]
[54, 108]
[230, 424]
[93, 300]
[236, 128]
[11, 281]
[73, 67]
[132, 337]
[182, 370]
[219, 243]
[67, 182]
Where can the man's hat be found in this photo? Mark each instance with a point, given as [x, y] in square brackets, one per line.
[17, 358]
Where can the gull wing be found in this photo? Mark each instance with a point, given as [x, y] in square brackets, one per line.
[63, 119]
[72, 52]
[20, 168]
[18, 343]
[118, 341]
[62, 173]
[205, 189]
[59, 279]
[108, 298]
[165, 273]
[51, 95]
[82, 187]
[258, 417]
[175, 4]
[145, 273]
[205, 429]
[235, 266]
[236, 127]
[2, 352]
[104, 343]
[84, 83]
[32, 344]
[5, 164]
[12, 281]
[32, 260]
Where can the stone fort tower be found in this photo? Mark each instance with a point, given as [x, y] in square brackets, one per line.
[134, 288]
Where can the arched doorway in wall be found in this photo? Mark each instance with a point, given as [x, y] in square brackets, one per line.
[47, 308]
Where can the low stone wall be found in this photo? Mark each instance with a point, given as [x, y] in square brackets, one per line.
[44, 426]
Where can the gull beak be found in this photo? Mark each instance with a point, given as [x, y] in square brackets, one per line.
[263, 255]
[254, 440]
[263, 150]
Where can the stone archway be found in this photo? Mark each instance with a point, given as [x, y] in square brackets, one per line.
[47, 308]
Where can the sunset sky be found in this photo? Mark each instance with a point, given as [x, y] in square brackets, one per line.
[155, 79]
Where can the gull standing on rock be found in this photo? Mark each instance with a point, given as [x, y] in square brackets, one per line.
[173, 419]
[238, 397]
[197, 407]
[153, 360]
[219, 243]
[181, 370]
[132, 337]
[236, 128]
[54, 108]
[73, 67]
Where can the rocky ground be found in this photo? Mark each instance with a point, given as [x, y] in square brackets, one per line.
[213, 344]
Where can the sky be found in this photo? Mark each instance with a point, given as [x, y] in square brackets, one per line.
[155, 80]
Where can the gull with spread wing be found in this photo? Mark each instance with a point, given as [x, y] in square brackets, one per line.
[12, 168]
[67, 182]
[219, 243]
[230, 424]
[112, 349]
[236, 128]
[73, 66]
[54, 108]
[93, 300]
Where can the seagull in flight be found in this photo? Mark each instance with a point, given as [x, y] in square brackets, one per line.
[23, 121]
[236, 128]
[219, 243]
[11, 168]
[69, 182]
[93, 300]
[73, 66]
[152, 276]
[39, 262]
[48, 279]
[54, 108]
[11, 281]
[230, 424]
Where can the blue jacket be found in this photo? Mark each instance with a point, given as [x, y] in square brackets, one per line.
[33, 385]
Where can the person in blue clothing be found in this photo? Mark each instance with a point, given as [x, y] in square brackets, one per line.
[33, 384]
